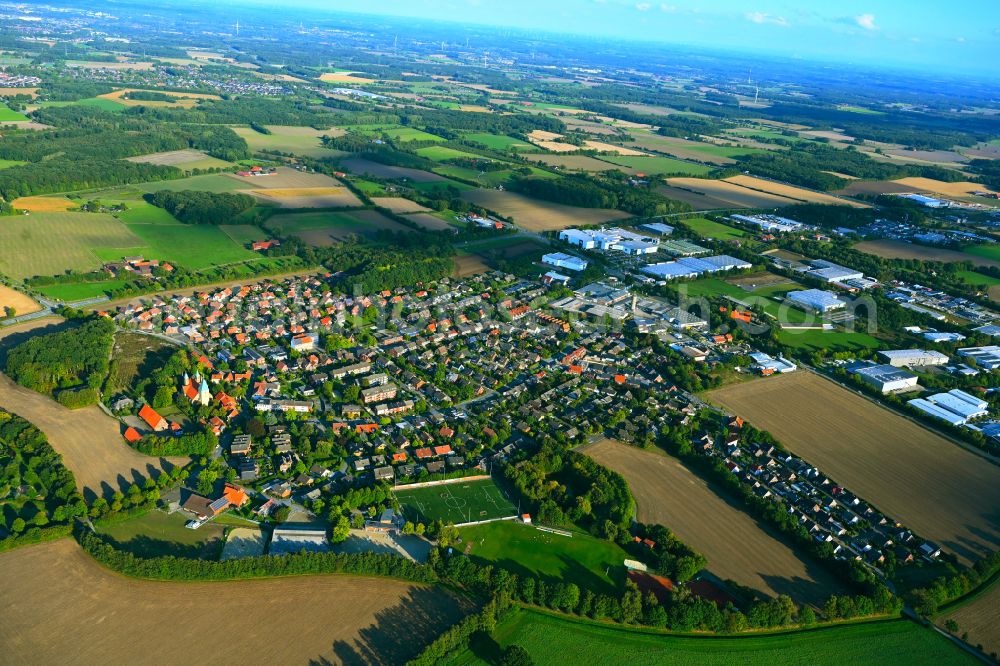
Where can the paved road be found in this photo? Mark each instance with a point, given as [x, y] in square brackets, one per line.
[48, 309]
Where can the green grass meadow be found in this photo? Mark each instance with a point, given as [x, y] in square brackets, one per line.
[709, 229]
[551, 639]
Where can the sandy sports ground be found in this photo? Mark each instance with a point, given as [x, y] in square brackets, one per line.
[737, 546]
[933, 486]
[893, 249]
[981, 618]
[535, 215]
[243, 542]
[792, 192]
[60, 606]
[308, 197]
[22, 303]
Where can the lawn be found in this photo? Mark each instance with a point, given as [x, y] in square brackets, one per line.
[370, 188]
[102, 104]
[652, 164]
[498, 142]
[709, 229]
[157, 533]
[830, 341]
[550, 639]
[589, 562]
[8, 115]
[978, 279]
[461, 502]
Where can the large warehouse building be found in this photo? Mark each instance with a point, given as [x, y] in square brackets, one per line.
[913, 358]
[956, 407]
[886, 378]
[816, 300]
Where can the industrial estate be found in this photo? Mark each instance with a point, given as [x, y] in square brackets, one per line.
[422, 344]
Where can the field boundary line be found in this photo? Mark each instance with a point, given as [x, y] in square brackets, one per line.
[441, 482]
[483, 522]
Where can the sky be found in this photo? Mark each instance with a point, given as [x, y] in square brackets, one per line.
[961, 35]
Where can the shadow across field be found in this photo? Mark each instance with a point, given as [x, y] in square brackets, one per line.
[400, 631]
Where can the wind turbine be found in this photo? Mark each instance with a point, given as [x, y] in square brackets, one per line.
[237, 27]
[756, 92]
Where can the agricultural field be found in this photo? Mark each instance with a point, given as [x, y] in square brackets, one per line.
[89, 440]
[535, 215]
[573, 162]
[498, 142]
[460, 502]
[193, 246]
[654, 165]
[78, 291]
[51, 243]
[873, 187]
[304, 141]
[934, 487]
[183, 100]
[362, 166]
[737, 547]
[960, 189]
[980, 617]
[589, 562]
[44, 204]
[442, 153]
[822, 341]
[685, 149]
[243, 234]
[326, 228]
[286, 178]
[8, 115]
[307, 197]
[549, 638]
[156, 533]
[730, 194]
[22, 304]
[603, 147]
[216, 182]
[790, 191]
[429, 222]
[469, 264]
[404, 134]
[894, 249]
[54, 592]
[399, 205]
[182, 159]
[709, 229]
[342, 77]
[699, 201]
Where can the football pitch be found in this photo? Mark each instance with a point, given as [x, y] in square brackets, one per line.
[459, 502]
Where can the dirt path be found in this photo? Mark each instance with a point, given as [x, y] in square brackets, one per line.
[737, 547]
[61, 607]
[89, 440]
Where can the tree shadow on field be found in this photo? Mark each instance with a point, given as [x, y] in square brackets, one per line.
[14, 339]
[812, 591]
[146, 546]
[402, 631]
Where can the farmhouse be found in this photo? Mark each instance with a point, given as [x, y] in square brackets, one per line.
[816, 300]
[562, 260]
[912, 358]
[153, 419]
[886, 378]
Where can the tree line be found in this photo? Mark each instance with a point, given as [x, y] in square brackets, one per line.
[202, 207]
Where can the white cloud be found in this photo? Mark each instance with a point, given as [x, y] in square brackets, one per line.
[762, 18]
[643, 6]
[668, 8]
[866, 21]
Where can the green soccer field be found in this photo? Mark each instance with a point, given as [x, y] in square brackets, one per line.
[459, 502]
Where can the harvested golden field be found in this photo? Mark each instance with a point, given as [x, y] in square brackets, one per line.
[44, 204]
[89, 441]
[791, 192]
[981, 618]
[13, 92]
[185, 100]
[894, 249]
[535, 215]
[698, 200]
[61, 607]
[557, 146]
[22, 303]
[469, 264]
[399, 205]
[611, 148]
[941, 187]
[730, 193]
[308, 197]
[343, 77]
[286, 178]
[934, 487]
[737, 547]
[182, 159]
